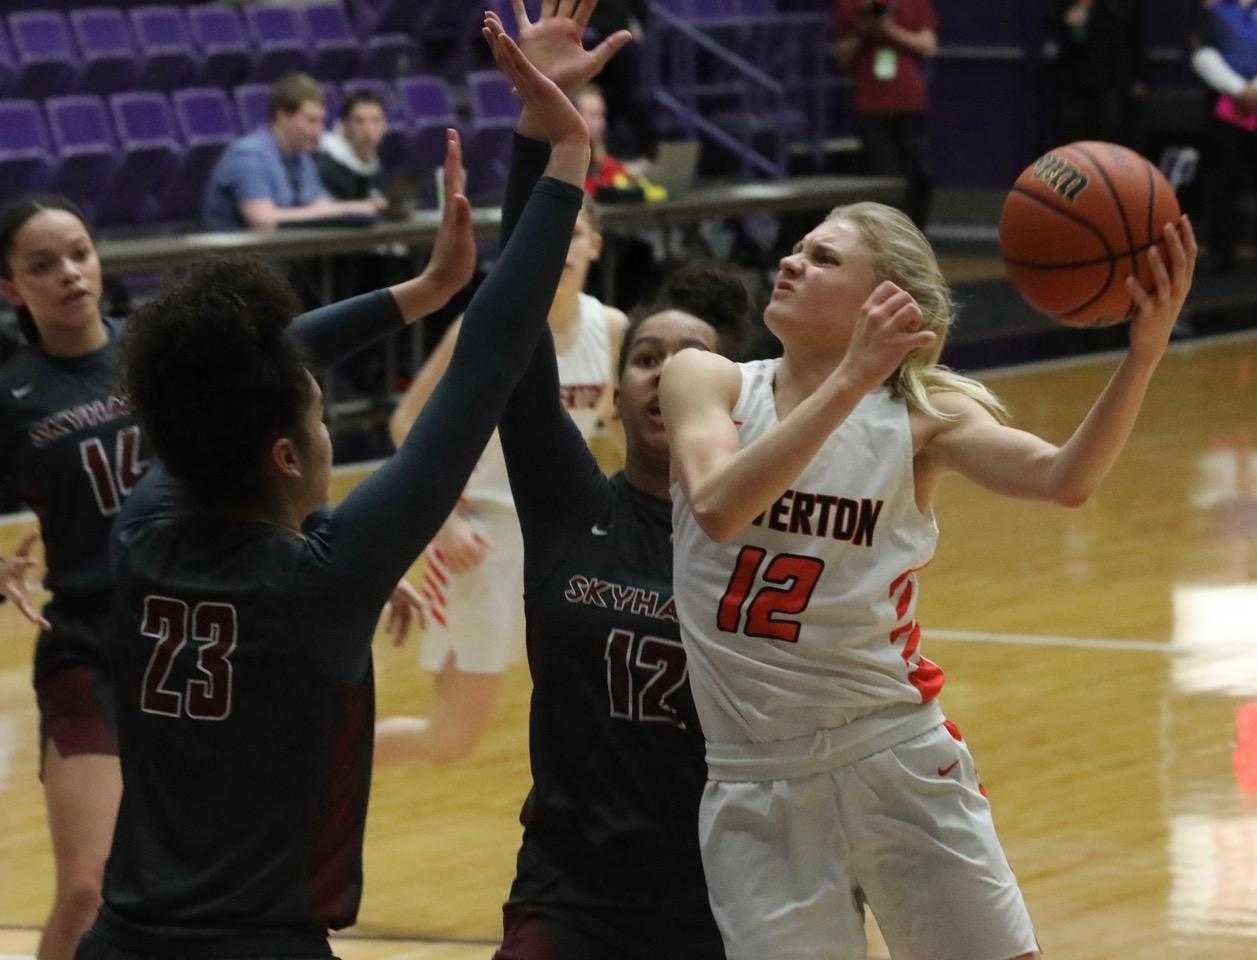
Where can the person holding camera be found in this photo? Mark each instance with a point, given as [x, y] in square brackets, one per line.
[885, 44]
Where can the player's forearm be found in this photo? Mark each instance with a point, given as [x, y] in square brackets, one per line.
[1086, 458]
[334, 332]
[923, 43]
[731, 494]
[389, 518]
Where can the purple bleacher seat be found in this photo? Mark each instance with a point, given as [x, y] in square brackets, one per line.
[150, 154]
[389, 55]
[377, 16]
[207, 124]
[7, 71]
[430, 103]
[491, 97]
[226, 55]
[25, 163]
[335, 49]
[108, 54]
[332, 99]
[84, 142]
[395, 147]
[167, 58]
[493, 112]
[44, 54]
[252, 104]
[279, 36]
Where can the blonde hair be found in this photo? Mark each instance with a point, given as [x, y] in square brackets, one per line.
[902, 255]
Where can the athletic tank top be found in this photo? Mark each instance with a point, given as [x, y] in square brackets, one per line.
[805, 621]
[584, 376]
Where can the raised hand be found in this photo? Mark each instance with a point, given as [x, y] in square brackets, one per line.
[405, 609]
[554, 43]
[888, 329]
[551, 116]
[1158, 309]
[13, 572]
[454, 251]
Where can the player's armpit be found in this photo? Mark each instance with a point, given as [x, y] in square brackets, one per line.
[999, 458]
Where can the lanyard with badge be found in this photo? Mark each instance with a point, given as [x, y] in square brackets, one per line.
[885, 58]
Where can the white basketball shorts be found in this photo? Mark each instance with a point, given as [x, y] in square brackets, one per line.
[478, 616]
[907, 830]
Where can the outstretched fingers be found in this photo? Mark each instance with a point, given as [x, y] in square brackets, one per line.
[584, 11]
[609, 47]
[521, 14]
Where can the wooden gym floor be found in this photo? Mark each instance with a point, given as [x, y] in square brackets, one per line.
[1102, 663]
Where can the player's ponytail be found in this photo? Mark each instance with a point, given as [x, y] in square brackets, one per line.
[902, 255]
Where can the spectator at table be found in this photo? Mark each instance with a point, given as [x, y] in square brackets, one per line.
[269, 177]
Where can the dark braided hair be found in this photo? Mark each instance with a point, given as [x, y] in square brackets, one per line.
[216, 376]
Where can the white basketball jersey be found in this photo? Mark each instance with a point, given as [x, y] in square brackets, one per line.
[805, 620]
[584, 377]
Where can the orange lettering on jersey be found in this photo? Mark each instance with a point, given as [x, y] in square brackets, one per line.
[822, 515]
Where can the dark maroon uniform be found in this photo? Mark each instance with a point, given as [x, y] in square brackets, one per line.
[609, 866]
[242, 651]
[70, 450]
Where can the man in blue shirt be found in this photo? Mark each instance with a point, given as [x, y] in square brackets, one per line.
[269, 177]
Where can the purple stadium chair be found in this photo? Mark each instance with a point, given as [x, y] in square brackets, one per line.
[494, 110]
[431, 106]
[377, 16]
[389, 55]
[44, 54]
[25, 164]
[396, 144]
[168, 60]
[7, 71]
[85, 149]
[226, 56]
[252, 104]
[332, 42]
[279, 36]
[332, 99]
[491, 97]
[207, 124]
[150, 155]
[109, 57]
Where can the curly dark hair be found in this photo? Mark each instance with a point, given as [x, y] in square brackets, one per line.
[13, 217]
[714, 292]
[215, 376]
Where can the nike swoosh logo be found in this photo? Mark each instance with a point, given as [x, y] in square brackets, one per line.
[597, 531]
[943, 771]
[20, 392]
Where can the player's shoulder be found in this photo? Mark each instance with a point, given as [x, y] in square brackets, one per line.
[704, 371]
[617, 320]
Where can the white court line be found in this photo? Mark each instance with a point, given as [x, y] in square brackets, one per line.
[1040, 640]
[1109, 356]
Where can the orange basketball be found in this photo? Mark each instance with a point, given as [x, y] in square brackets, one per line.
[1077, 223]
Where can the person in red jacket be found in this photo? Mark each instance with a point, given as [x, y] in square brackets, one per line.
[885, 44]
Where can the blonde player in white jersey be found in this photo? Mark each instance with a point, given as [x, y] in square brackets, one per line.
[802, 512]
[473, 584]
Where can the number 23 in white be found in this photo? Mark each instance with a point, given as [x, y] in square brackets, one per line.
[207, 695]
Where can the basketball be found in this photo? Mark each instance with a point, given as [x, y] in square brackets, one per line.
[1077, 223]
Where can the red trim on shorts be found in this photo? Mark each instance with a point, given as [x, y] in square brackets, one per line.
[72, 714]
